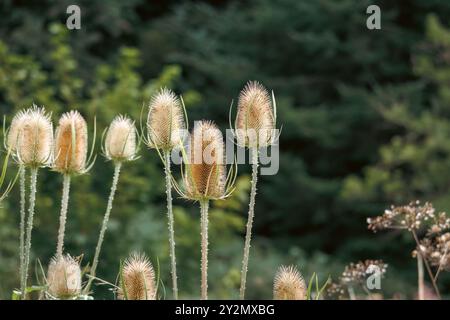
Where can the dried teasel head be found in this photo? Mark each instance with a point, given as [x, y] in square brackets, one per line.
[64, 277]
[255, 119]
[137, 279]
[120, 142]
[205, 174]
[165, 121]
[30, 137]
[289, 284]
[71, 144]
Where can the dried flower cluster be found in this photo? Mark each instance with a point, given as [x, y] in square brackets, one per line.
[64, 277]
[138, 279]
[355, 274]
[437, 250]
[408, 217]
[289, 284]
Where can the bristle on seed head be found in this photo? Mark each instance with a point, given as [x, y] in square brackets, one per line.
[71, 144]
[289, 284]
[165, 121]
[255, 116]
[138, 279]
[64, 277]
[30, 137]
[205, 176]
[120, 141]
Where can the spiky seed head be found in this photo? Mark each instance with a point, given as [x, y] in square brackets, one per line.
[205, 176]
[289, 284]
[64, 277]
[30, 137]
[120, 141]
[138, 279]
[255, 116]
[71, 144]
[165, 121]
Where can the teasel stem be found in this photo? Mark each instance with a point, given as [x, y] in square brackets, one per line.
[427, 266]
[117, 167]
[171, 224]
[63, 215]
[204, 205]
[33, 183]
[251, 213]
[421, 286]
[22, 228]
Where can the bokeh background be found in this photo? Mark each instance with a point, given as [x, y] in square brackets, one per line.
[365, 116]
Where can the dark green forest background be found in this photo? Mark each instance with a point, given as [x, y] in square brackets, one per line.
[365, 117]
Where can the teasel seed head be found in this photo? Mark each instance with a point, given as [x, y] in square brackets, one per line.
[137, 279]
[165, 120]
[289, 284]
[120, 142]
[205, 174]
[71, 144]
[64, 277]
[255, 119]
[30, 137]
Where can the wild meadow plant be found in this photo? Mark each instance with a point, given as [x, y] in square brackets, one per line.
[120, 146]
[165, 122]
[289, 284]
[254, 129]
[63, 278]
[30, 139]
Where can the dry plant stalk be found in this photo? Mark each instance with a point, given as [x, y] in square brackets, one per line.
[289, 284]
[71, 146]
[30, 139]
[137, 279]
[164, 122]
[254, 126]
[120, 146]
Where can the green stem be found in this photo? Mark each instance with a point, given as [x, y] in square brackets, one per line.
[171, 224]
[33, 183]
[204, 204]
[63, 215]
[251, 213]
[22, 228]
[109, 206]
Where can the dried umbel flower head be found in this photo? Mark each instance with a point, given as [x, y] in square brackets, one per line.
[436, 250]
[289, 284]
[205, 176]
[408, 217]
[64, 277]
[357, 272]
[30, 137]
[120, 141]
[71, 144]
[137, 279]
[165, 121]
[255, 119]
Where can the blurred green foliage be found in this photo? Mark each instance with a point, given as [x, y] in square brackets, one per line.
[365, 118]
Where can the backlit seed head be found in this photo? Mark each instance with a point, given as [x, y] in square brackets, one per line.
[165, 121]
[205, 176]
[138, 279]
[64, 277]
[255, 117]
[71, 144]
[120, 141]
[30, 137]
[289, 284]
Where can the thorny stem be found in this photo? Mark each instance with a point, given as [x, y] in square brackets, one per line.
[22, 228]
[430, 273]
[251, 213]
[204, 204]
[63, 215]
[171, 224]
[33, 182]
[421, 285]
[101, 236]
